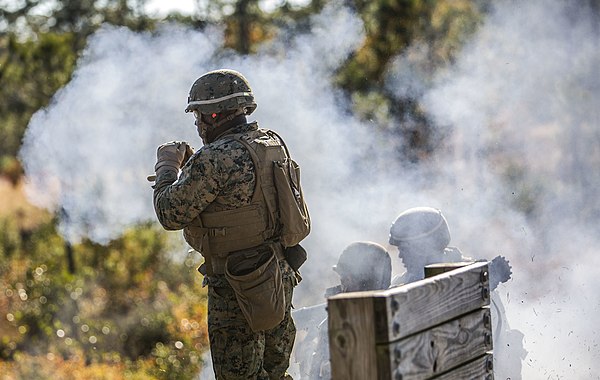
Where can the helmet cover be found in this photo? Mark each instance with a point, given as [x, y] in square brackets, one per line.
[221, 91]
[367, 263]
[420, 225]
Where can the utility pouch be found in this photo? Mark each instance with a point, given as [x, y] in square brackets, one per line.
[258, 285]
[295, 256]
[293, 212]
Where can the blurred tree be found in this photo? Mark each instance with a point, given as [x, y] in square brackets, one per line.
[81, 17]
[392, 27]
[389, 26]
[246, 25]
[40, 41]
[129, 303]
[30, 73]
[243, 24]
[38, 52]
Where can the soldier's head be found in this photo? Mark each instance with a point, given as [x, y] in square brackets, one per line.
[218, 97]
[364, 266]
[421, 235]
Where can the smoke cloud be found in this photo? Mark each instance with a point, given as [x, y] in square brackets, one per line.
[522, 106]
[519, 110]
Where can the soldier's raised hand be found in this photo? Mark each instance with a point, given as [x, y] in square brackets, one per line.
[172, 155]
[189, 152]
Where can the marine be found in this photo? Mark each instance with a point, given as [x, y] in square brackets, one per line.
[362, 266]
[422, 237]
[224, 198]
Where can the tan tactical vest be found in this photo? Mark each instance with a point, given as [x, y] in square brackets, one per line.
[218, 232]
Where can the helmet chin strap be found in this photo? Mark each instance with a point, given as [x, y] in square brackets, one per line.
[222, 120]
[208, 132]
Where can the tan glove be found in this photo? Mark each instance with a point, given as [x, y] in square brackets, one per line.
[189, 152]
[172, 155]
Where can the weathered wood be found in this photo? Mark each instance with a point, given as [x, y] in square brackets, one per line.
[359, 321]
[352, 348]
[417, 306]
[438, 349]
[435, 269]
[479, 369]
[410, 308]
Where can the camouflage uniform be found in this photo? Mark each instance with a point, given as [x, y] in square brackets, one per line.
[237, 351]
[223, 172]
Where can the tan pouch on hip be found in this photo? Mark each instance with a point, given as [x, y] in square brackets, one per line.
[257, 281]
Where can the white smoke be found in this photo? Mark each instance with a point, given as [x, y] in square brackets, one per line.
[89, 152]
[523, 106]
[524, 90]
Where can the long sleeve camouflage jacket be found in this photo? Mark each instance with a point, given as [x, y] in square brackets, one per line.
[220, 172]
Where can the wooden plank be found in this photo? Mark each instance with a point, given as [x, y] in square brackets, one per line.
[352, 347]
[358, 321]
[422, 304]
[439, 268]
[438, 349]
[479, 369]
[408, 309]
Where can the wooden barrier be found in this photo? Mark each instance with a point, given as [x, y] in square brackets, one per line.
[439, 327]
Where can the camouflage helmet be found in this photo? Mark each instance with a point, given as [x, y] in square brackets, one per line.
[221, 90]
[367, 263]
[420, 226]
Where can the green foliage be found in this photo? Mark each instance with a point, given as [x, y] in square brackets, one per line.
[440, 27]
[390, 26]
[10, 238]
[30, 73]
[127, 304]
[175, 361]
[38, 54]
[393, 25]
[80, 17]
[451, 24]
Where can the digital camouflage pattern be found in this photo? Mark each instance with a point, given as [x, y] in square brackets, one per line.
[237, 351]
[220, 172]
[219, 91]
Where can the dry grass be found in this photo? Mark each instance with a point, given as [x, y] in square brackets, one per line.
[14, 204]
[53, 366]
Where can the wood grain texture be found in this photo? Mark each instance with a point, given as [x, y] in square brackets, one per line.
[359, 322]
[352, 339]
[438, 349]
[479, 369]
[422, 304]
[435, 269]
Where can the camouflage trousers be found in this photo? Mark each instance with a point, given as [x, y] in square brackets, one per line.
[237, 351]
